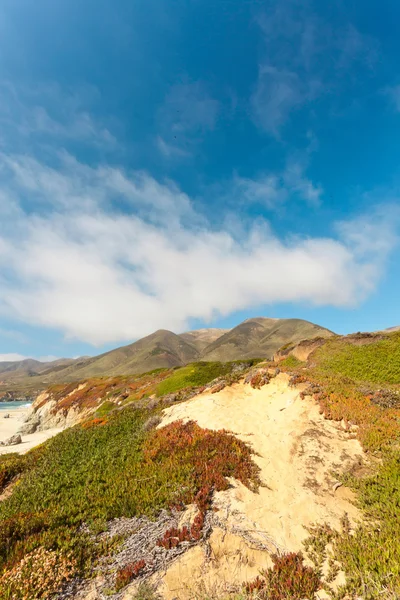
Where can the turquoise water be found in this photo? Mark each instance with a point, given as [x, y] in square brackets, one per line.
[11, 405]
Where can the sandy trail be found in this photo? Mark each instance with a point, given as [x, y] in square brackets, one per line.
[298, 453]
[10, 426]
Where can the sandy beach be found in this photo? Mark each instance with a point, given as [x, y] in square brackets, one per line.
[10, 426]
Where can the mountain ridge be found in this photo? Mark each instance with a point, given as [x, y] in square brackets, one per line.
[257, 337]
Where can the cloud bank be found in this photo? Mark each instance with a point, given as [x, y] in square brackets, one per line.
[105, 255]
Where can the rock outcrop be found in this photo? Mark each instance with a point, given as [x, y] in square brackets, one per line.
[44, 414]
[12, 441]
[301, 351]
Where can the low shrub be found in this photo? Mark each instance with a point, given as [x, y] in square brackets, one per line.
[288, 579]
[213, 456]
[11, 465]
[258, 378]
[146, 591]
[14, 464]
[94, 474]
[96, 422]
[128, 573]
[38, 575]
[347, 376]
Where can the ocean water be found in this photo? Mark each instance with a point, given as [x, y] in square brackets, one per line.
[17, 404]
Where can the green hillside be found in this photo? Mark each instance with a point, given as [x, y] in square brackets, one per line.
[259, 337]
[116, 463]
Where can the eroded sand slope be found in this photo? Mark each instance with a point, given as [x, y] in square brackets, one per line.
[298, 452]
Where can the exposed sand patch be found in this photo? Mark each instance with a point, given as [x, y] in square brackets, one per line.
[298, 453]
[211, 572]
[10, 426]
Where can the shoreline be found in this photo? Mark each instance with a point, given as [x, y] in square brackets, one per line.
[11, 425]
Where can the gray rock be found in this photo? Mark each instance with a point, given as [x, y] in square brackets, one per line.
[12, 441]
[29, 428]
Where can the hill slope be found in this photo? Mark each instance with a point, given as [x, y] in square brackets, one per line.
[261, 337]
[201, 338]
[22, 369]
[322, 434]
[161, 349]
[258, 337]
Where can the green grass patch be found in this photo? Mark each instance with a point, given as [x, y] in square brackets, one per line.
[201, 373]
[14, 464]
[291, 362]
[193, 375]
[349, 376]
[371, 554]
[377, 362]
[105, 408]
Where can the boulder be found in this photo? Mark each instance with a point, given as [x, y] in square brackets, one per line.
[29, 427]
[12, 441]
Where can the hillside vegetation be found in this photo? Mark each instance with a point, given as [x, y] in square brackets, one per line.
[357, 379]
[112, 465]
[375, 360]
[259, 337]
[115, 464]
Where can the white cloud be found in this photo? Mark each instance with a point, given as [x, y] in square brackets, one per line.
[15, 357]
[375, 235]
[12, 357]
[48, 358]
[272, 190]
[114, 256]
[78, 126]
[266, 190]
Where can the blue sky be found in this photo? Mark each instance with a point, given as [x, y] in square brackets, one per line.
[179, 164]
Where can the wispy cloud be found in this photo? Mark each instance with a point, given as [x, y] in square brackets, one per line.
[393, 94]
[49, 113]
[272, 190]
[304, 57]
[171, 150]
[10, 334]
[188, 113]
[277, 94]
[99, 266]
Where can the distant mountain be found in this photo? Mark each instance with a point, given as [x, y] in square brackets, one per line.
[261, 337]
[160, 349]
[254, 338]
[201, 338]
[31, 367]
